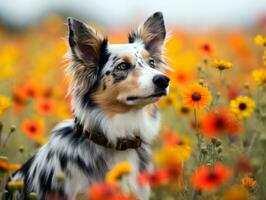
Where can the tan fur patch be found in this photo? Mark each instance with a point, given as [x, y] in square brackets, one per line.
[145, 54]
[128, 58]
[112, 99]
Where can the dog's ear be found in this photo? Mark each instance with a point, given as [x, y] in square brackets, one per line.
[86, 45]
[152, 33]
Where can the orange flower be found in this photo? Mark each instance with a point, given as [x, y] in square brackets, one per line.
[218, 122]
[33, 128]
[208, 178]
[154, 178]
[5, 166]
[248, 182]
[45, 106]
[104, 191]
[170, 138]
[196, 96]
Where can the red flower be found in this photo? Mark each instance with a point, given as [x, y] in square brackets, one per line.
[104, 191]
[206, 49]
[209, 178]
[154, 178]
[45, 106]
[218, 122]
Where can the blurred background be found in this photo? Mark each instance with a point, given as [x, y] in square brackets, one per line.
[33, 85]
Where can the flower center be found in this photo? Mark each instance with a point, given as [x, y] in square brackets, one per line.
[32, 129]
[184, 110]
[196, 96]
[242, 106]
[219, 123]
[212, 176]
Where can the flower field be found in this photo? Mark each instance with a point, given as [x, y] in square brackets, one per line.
[212, 141]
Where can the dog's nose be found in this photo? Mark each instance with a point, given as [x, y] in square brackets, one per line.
[161, 81]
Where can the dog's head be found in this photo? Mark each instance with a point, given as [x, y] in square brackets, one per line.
[118, 77]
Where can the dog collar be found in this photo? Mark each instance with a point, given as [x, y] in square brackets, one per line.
[97, 137]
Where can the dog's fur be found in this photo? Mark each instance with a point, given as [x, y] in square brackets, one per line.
[112, 91]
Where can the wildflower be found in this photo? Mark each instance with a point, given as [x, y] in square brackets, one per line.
[153, 178]
[259, 76]
[5, 166]
[221, 64]
[248, 182]
[196, 96]
[218, 122]
[45, 106]
[15, 185]
[5, 103]
[236, 193]
[104, 191]
[242, 106]
[208, 178]
[33, 128]
[206, 49]
[182, 76]
[172, 140]
[173, 154]
[119, 170]
[260, 40]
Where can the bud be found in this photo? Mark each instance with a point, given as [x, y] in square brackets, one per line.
[218, 143]
[21, 149]
[12, 128]
[220, 150]
[213, 140]
[199, 68]
[201, 82]
[204, 151]
[33, 196]
[60, 177]
[1, 127]
[246, 86]
[4, 158]
[218, 94]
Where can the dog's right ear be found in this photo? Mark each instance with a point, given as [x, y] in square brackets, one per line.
[86, 45]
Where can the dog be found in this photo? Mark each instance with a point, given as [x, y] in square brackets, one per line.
[114, 88]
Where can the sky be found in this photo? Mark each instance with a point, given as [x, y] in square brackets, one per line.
[187, 13]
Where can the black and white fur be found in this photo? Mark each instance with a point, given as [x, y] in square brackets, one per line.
[113, 91]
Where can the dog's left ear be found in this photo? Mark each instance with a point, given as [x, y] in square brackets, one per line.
[152, 33]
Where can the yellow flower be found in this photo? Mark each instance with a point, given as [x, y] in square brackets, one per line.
[248, 182]
[196, 96]
[5, 103]
[15, 185]
[242, 106]
[259, 76]
[6, 72]
[221, 64]
[173, 154]
[236, 193]
[260, 40]
[119, 170]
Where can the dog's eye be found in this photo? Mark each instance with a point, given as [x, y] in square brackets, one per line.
[152, 63]
[123, 66]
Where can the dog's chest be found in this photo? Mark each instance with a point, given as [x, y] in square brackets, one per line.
[139, 159]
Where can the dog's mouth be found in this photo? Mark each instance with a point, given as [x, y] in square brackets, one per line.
[155, 95]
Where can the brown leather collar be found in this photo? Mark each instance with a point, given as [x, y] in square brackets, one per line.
[122, 144]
